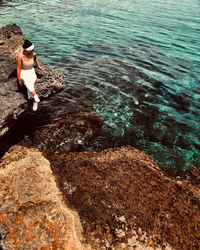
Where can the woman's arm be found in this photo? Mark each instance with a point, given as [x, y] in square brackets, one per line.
[37, 62]
[19, 64]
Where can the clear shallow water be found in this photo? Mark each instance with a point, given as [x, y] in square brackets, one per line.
[135, 62]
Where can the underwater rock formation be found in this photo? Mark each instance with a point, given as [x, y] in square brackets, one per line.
[122, 196]
[32, 213]
[13, 98]
[67, 132]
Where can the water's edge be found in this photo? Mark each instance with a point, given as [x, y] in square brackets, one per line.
[137, 64]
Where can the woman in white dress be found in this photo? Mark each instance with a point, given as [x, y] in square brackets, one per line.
[26, 73]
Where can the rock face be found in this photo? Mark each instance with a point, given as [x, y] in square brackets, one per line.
[32, 213]
[13, 99]
[11, 40]
[122, 196]
[67, 132]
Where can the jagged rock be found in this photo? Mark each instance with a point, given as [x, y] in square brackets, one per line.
[32, 213]
[13, 99]
[67, 132]
[105, 187]
[9, 31]
[50, 81]
[11, 40]
[122, 197]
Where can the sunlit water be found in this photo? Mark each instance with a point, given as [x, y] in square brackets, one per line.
[136, 62]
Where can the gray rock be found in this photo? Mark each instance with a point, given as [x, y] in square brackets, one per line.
[11, 40]
[13, 98]
[50, 82]
[10, 30]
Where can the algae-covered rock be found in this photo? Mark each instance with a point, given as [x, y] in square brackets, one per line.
[32, 213]
[124, 197]
[67, 132]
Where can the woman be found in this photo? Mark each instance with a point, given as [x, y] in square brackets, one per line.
[26, 73]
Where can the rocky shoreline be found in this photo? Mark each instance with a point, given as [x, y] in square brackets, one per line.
[52, 198]
[13, 98]
[119, 198]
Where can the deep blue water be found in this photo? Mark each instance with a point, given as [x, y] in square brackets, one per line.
[136, 62]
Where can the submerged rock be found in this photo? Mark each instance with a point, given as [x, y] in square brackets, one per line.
[32, 213]
[13, 99]
[122, 196]
[68, 132]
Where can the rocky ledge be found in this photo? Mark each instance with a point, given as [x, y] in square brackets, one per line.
[32, 212]
[123, 200]
[123, 197]
[13, 99]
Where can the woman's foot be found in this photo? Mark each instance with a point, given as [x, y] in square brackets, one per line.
[36, 98]
[35, 106]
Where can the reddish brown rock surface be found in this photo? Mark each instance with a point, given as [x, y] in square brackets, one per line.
[123, 199]
[32, 213]
[122, 191]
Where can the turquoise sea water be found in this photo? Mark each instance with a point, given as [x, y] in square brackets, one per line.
[136, 62]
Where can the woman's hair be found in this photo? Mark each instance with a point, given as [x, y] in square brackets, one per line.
[28, 45]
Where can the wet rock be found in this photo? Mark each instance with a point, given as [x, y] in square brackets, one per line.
[13, 99]
[122, 192]
[32, 213]
[67, 132]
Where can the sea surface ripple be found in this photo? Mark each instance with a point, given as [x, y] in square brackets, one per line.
[136, 62]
